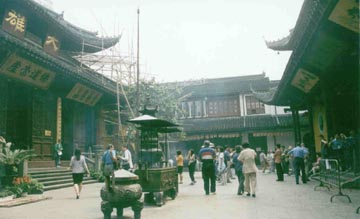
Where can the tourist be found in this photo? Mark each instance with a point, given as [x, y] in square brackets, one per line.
[58, 153]
[316, 166]
[109, 159]
[207, 156]
[325, 149]
[263, 161]
[180, 165]
[238, 170]
[126, 159]
[277, 160]
[191, 164]
[78, 167]
[228, 162]
[247, 157]
[221, 167]
[307, 164]
[299, 154]
[290, 160]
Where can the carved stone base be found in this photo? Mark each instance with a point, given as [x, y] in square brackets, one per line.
[107, 208]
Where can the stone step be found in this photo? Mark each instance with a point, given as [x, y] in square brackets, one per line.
[65, 185]
[55, 178]
[49, 171]
[46, 163]
[52, 178]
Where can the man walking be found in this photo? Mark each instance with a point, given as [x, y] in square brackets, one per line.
[238, 170]
[108, 159]
[299, 154]
[247, 157]
[277, 160]
[207, 156]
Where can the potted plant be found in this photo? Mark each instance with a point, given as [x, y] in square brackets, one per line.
[11, 160]
[36, 187]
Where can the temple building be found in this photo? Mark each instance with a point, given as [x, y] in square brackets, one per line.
[322, 74]
[46, 94]
[225, 111]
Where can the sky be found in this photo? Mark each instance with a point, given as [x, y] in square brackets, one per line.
[184, 40]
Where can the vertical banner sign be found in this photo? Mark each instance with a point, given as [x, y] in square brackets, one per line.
[14, 23]
[58, 119]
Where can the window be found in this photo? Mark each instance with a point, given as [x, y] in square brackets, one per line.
[254, 106]
[225, 106]
[198, 112]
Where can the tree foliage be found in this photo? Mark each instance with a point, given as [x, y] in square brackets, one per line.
[152, 94]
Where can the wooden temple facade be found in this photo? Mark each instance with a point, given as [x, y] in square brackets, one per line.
[225, 111]
[322, 74]
[45, 93]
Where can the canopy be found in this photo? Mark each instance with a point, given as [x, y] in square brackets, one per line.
[150, 121]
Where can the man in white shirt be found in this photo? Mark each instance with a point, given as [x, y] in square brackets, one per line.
[126, 158]
[247, 157]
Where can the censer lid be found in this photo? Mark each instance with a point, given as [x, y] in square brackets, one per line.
[124, 175]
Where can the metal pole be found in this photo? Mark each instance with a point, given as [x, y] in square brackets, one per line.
[137, 63]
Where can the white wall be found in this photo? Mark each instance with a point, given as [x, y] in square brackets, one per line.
[272, 110]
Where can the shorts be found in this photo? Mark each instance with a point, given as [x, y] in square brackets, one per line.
[180, 169]
[78, 178]
[108, 170]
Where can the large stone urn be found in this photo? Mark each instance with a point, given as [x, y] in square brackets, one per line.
[126, 193]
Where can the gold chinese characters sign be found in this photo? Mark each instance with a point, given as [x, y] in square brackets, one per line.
[84, 94]
[51, 45]
[19, 68]
[14, 23]
[304, 80]
[346, 14]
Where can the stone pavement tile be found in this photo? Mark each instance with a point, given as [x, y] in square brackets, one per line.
[274, 200]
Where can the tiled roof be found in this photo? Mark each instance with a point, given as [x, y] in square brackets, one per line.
[65, 65]
[283, 44]
[73, 36]
[230, 124]
[222, 86]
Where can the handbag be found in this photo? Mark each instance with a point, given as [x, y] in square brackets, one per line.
[59, 153]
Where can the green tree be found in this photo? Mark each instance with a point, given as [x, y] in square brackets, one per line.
[164, 96]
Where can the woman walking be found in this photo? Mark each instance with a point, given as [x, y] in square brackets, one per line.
[191, 163]
[78, 167]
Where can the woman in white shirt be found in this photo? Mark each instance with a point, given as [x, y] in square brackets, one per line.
[78, 167]
[221, 166]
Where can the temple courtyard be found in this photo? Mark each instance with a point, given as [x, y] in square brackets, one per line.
[274, 200]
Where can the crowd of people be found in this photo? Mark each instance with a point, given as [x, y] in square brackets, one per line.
[221, 165]
[218, 162]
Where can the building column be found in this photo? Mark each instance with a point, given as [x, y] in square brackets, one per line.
[296, 121]
[58, 119]
[204, 108]
[190, 108]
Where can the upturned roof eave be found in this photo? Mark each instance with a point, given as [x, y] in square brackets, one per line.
[72, 32]
[311, 15]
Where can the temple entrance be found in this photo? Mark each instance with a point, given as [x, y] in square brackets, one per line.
[19, 120]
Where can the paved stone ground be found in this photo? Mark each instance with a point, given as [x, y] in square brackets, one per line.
[275, 200]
